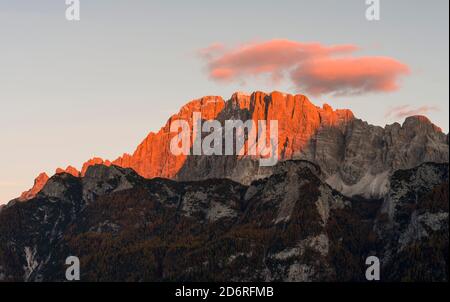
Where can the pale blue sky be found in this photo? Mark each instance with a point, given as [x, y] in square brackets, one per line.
[73, 90]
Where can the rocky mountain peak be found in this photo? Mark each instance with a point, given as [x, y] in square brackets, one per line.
[69, 170]
[92, 162]
[355, 157]
[420, 122]
[61, 187]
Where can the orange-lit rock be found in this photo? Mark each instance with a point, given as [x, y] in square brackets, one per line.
[152, 157]
[298, 119]
[346, 148]
[39, 183]
[92, 162]
[69, 170]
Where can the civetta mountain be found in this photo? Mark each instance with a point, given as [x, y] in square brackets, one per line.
[356, 158]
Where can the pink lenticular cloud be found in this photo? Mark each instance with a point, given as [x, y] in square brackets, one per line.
[406, 110]
[349, 76]
[222, 74]
[313, 67]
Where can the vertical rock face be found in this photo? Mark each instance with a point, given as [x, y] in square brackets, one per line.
[369, 154]
[153, 157]
[298, 120]
[356, 158]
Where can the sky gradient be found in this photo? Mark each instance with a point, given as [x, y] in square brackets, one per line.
[73, 90]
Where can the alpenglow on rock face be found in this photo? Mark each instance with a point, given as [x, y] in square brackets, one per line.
[355, 157]
[39, 183]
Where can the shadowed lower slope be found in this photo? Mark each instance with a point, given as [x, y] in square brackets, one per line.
[290, 226]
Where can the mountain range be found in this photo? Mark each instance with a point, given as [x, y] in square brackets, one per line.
[357, 158]
[342, 191]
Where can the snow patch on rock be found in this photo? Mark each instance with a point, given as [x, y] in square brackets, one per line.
[368, 186]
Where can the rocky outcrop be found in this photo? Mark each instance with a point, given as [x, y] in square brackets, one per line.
[39, 183]
[209, 229]
[69, 170]
[356, 158]
[414, 224]
[371, 154]
[92, 162]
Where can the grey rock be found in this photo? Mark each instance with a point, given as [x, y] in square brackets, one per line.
[355, 159]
